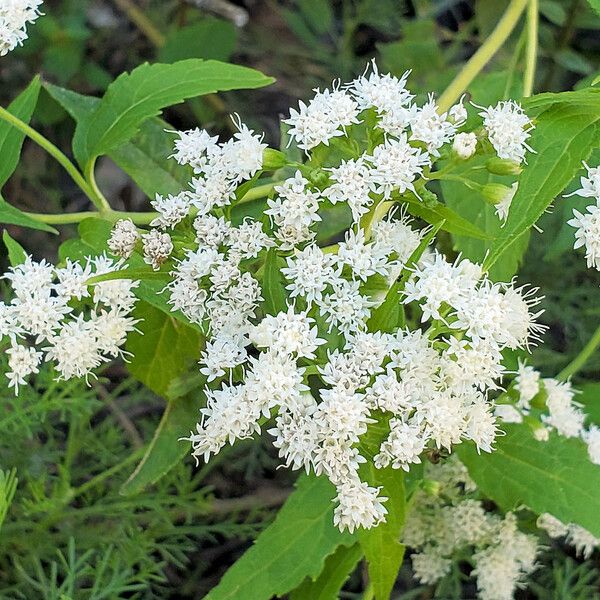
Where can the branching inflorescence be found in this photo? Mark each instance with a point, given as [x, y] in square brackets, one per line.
[318, 364]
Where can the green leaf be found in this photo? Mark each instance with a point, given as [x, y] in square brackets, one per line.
[292, 548]
[381, 545]
[273, 290]
[11, 139]
[16, 253]
[338, 567]
[590, 399]
[209, 38]
[163, 350]
[473, 207]
[567, 130]
[165, 450]
[554, 476]
[93, 234]
[146, 158]
[13, 216]
[595, 4]
[451, 220]
[137, 96]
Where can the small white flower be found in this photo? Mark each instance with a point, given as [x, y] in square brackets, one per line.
[508, 129]
[309, 271]
[359, 506]
[22, 362]
[503, 206]
[588, 234]
[465, 145]
[14, 17]
[157, 248]
[123, 238]
[172, 210]
[395, 166]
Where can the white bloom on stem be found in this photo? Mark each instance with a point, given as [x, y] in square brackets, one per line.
[212, 231]
[430, 566]
[508, 129]
[508, 413]
[296, 437]
[588, 233]
[75, 349]
[309, 272]
[72, 280]
[431, 127]
[248, 239]
[288, 333]
[344, 307]
[15, 15]
[172, 209]
[585, 542]
[465, 145]
[503, 207]
[359, 505]
[123, 238]
[590, 185]
[592, 439]
[157, 248]
[553, 527]
[365, 259]
[220, 355]
[395, 166]
[352, 184]
[242, 156]
[322, 119]
[527, 383]
[22, 362]
[382, 92]
[193, 147]
[228, 416]
[402, 447]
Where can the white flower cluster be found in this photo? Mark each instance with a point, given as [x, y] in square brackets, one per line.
[54, 315]
[14, 17]
[588, 224]
[331, 112]
[508, 129]
[446, 527]
[309, 364]
[560, 411]
[583, 541]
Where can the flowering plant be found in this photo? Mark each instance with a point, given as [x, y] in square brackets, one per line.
[332, 294]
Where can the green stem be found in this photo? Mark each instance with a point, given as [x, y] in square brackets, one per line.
[99, 200]
[142, 22]
[47, 145]
[532, 47]
[474, 66]
[587, 351]
[106, 474]
[139, 218]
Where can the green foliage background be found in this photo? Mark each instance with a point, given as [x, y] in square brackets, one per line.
[96, 498]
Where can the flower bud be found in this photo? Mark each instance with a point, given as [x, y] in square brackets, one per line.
[428, 197]
[273, 159]
[495, 193]
[430, 487]
[465, 145]
[503, 166]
